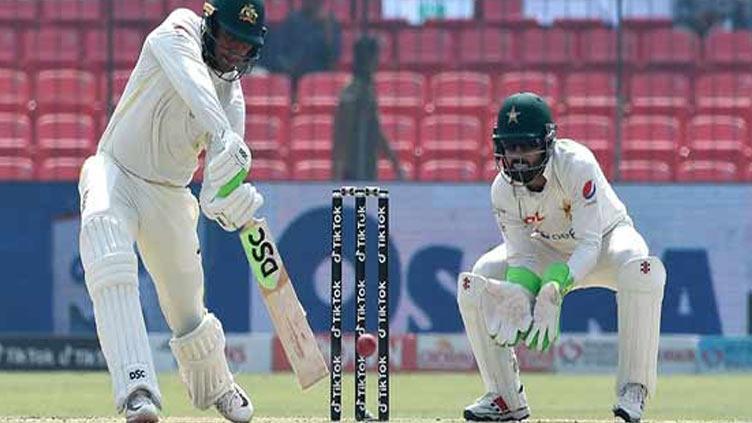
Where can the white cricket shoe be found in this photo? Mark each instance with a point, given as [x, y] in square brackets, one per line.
[491, 407]
[141, 408]
[631, 402]
[235, 405]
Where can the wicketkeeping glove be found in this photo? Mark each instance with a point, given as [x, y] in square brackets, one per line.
[545, 329]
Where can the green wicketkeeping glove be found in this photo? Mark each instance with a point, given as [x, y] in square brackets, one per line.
[545, 329]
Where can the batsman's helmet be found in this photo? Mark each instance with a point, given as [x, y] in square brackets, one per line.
[524, 121]
[244, 21]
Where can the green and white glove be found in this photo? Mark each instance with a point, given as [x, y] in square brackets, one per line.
[545, 329]
[509, 311]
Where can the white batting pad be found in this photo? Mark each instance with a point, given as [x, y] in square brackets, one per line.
[202, 363]
[111, 273]
[497, 365]
[640, 285]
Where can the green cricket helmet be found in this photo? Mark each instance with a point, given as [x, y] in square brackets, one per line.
[243, 21]
[524, 122]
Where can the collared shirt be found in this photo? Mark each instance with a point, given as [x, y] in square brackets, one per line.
[171, 106]
[576, 207]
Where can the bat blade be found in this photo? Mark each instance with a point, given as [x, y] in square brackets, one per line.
[285, 310]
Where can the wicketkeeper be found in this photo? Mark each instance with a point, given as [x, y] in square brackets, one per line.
[183, 97]
[564, 228]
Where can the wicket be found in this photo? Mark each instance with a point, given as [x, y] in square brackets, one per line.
[336, 363]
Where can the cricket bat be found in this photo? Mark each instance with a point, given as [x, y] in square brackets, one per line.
[285, 309]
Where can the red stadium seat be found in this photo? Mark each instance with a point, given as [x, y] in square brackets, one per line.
[718, 137]
[65, 89]
[748, 173]
[651, 137]
[461, 92]
[195, 5]
[548, 47]
[15, 90]
[596, 132]
[670, 47]
[319, 92]
[16, 168]
[445, 136]
[726, 49]
[372, 8]
[400, 92]
[645, 171]
[425, 49]
[598, 47]
[268, 170]
[15, 11]
[350, 36]
[138, 11]
[487, 47]
[402, 133]
[592, 92]
[270, 93]
[65, 134]
[542, 83]
[386, 171]
[659, 92]
[60, 168]
[496, 11]
[53, 47]
[10, 47]
[312, 170]
[311, 137]
[724, 92]
[340, 9]
[266, 136]
[126, 47]
[707, 171]
[75, 11]
[449, 170]
[15, 134]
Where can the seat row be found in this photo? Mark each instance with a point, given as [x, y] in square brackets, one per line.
[21, 168]
[426, 48]
[440, 136]
[414, 93]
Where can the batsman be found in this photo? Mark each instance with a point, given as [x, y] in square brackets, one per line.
[182, 97]
[564, 229]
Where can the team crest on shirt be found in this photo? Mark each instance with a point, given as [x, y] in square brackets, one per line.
[566, 207]
[588, 190]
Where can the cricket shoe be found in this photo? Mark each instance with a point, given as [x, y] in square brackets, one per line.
[631, 402]
[141, 408]
[235, 405]
[491, 407]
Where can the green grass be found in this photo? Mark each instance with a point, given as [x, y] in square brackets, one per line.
[426, 396]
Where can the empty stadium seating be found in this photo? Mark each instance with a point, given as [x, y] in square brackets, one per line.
[687, 100]
[15, 168]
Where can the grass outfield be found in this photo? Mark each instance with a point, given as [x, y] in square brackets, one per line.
[72, 397]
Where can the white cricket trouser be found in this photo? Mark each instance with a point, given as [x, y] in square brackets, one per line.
[619, 247]
[119, 209]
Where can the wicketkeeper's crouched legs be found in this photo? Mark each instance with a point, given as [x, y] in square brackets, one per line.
[111, 273]
[497, 365]
[640, 284]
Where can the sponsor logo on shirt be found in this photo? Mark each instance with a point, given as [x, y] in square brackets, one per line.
[536, 218]
[588, 190]
[563, 236]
